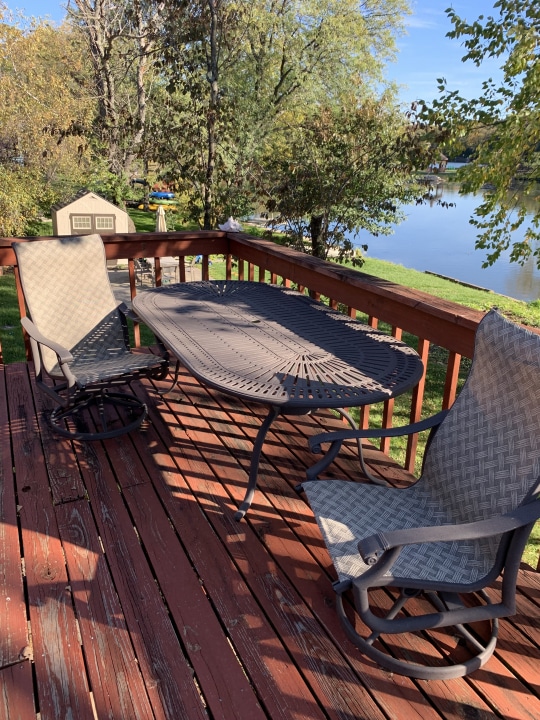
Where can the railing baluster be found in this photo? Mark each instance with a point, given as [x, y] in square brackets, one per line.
[157, 271]
[388, 407]
[182, 268]
[133, 292]
[22, 310]
[451, 381]
[205, 267]
[364, 410]
[416, 406]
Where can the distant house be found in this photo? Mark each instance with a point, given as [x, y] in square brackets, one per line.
[89, 213]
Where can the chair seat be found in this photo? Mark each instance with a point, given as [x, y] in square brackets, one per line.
[347, 512]
[89, 371]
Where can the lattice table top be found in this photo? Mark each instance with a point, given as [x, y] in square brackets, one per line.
[273, 345]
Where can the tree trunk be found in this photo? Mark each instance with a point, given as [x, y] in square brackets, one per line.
[213, 74]
[317, 231]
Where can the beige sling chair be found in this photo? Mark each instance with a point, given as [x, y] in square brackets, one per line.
[79, 337]
[440, 542]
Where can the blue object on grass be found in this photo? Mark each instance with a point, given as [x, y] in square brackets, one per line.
[162, 195]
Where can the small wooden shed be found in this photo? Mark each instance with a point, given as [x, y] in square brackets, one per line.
[89, 213]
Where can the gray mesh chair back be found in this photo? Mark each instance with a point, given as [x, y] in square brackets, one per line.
[466, 519]
[69, 297]
[77, 328]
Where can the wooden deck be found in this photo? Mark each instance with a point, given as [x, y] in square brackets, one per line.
[128, 590]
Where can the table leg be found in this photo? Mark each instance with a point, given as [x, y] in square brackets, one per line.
[273, 412]
[174, 381]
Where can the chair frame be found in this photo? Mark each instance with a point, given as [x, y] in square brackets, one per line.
[72, 400]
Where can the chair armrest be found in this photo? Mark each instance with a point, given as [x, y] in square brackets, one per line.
[63, 353]
[339, 436]
[374, 547]
[128, 312]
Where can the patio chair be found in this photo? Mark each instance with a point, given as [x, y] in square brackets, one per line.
[79, 337]
[443, 540]
[144, 272]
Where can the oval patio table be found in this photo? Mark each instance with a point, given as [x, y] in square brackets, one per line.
[275, 346]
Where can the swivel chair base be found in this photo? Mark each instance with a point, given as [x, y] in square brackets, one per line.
[132, 410]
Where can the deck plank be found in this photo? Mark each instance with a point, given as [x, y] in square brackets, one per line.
[57, 654]
[168, 678]
[64, 475]
[17, 692]
[13, 624]
[117, 686]
[282, 690]
[228, 692]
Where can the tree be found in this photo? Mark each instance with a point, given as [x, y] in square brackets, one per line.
[121, 37]
[237, 67]
[344, 169]
[46, 113]
[507, 158]
[21, 194]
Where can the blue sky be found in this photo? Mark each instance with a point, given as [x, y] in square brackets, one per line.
[424, 52]
[40, 8]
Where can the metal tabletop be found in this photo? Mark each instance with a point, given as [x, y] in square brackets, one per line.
[272, 345]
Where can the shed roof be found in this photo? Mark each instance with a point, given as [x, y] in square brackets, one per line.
[83, 193]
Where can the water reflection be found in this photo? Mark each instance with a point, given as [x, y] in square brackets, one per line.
[441, 240]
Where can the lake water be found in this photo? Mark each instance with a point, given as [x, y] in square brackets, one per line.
[441, 240]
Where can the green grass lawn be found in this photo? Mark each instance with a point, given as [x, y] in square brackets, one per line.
[526, 313]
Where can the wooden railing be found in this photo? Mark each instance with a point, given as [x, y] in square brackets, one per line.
[432, 321]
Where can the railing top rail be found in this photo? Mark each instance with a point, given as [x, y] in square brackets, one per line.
[152, 244]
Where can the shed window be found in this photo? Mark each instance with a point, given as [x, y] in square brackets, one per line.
[105, 222]
[82, 222]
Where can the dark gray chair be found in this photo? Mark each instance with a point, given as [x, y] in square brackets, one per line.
[464, 522]
[79, 336]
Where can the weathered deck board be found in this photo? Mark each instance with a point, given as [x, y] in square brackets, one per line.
[57, 653]
[17, 696]
[13, 625]
[145, 599]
